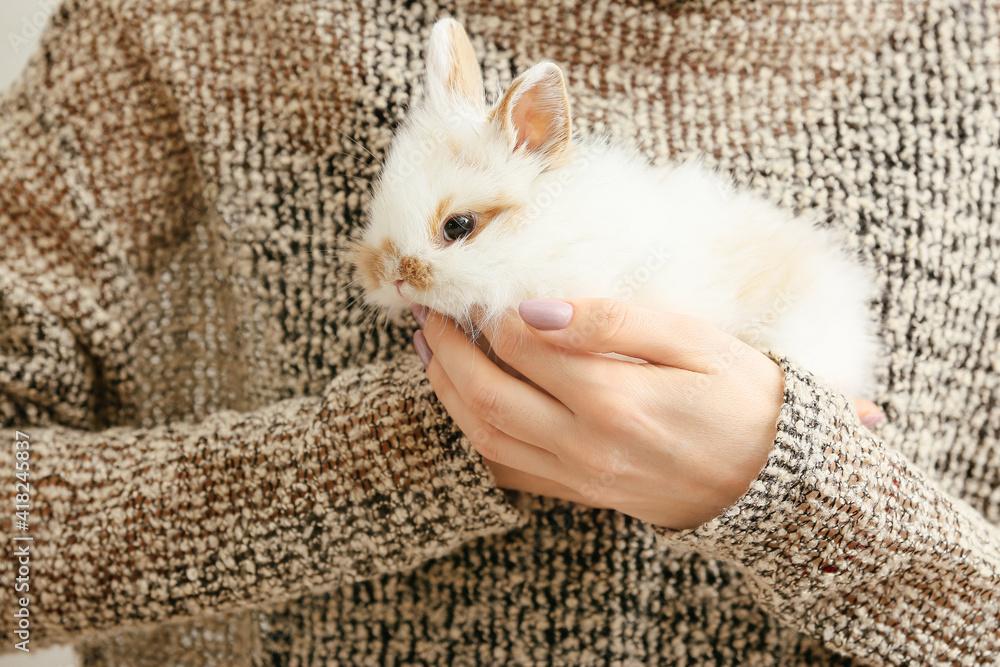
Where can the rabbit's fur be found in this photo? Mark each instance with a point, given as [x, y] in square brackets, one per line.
[556, 216]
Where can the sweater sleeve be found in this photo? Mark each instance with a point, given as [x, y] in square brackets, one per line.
[126, 527]
[140, 526]
[850, 542]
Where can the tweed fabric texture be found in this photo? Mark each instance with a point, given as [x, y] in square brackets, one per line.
[229, 467]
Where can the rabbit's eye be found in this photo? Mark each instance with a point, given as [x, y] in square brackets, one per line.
[458, 227]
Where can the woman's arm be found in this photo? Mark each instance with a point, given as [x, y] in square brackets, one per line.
[850, 542]
[131, 526]
[140, 526]
[756, 462]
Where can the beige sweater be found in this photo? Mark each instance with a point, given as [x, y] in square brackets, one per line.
[226, 467]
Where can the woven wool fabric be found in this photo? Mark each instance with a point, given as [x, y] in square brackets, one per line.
[228, 468]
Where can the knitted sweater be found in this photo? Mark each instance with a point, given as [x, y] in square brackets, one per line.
[228, 465]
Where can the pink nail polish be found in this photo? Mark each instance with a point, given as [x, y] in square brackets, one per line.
[423, 349]
[419, 313]
[871, 421]
[546, 314]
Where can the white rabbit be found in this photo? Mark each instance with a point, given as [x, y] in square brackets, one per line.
[478, 209]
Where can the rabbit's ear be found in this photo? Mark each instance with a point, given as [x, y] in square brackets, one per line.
[534, 112]
[453, 73]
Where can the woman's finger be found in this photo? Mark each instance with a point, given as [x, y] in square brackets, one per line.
[504, 402]
[870, 414]
[562, 373]
[494, 445]
[606, 325]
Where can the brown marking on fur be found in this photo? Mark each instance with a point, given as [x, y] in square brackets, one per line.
[415, 273]
[502, 109]
[454, 81]
[490, 215]
[540, 126]
[373, 261]
[484, 216]
[463, 77]
[441, 213]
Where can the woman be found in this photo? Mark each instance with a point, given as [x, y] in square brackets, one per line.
[228, 467]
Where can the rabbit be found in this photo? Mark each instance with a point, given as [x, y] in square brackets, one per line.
[478, 208]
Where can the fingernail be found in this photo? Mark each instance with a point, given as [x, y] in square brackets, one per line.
[546, 314]
[419, 313]
[873, 420]
[423, 350]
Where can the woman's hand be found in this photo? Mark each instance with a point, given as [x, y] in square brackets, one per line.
[673, 441]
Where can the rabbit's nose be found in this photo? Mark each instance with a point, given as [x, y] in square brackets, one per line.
[398, 284]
